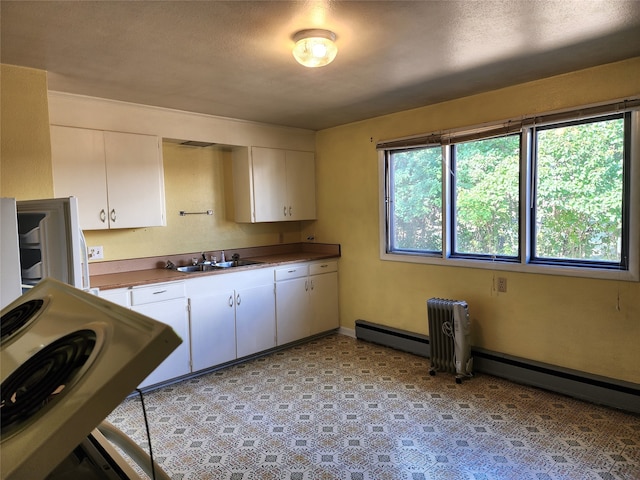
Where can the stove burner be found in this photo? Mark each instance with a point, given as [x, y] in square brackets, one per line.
[17, 317]
[42, 378]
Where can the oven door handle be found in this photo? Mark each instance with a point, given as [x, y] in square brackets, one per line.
[137, 454]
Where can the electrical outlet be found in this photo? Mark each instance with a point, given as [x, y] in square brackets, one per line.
[502, 284]
[96, 253]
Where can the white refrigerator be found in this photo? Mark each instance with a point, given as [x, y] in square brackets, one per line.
[40, 239]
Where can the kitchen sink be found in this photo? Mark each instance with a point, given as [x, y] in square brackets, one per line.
[206, 267]
[196, 268]
[236, 263]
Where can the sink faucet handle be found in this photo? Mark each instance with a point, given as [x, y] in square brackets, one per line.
[235, 257]
[204, 257]
[194, 261]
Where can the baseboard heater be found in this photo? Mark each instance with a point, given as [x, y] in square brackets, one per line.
[585, 386]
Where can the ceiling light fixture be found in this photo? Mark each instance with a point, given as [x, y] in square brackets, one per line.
[315, 47]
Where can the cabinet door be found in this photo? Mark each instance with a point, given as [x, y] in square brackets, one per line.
[255, 319]
[213, 329]
[77, 156]
[173, 313]
[269, 184]
[135, 180]
[324, 302]
[292, 310]
[301, 185]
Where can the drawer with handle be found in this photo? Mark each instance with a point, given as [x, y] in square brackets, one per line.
[323, 267]
[157, 292]
[292, 271]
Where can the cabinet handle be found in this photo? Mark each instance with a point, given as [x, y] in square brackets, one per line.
[306, 285]
[285, 211]
[103, 216]
[113, 215]
[324, 265]
[311, 284]
[159, 292]
[238, 300]
[289, 210]
[231, 300]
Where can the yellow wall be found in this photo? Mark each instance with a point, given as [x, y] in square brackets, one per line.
[565, 321]
[196, 180]
[25, 145]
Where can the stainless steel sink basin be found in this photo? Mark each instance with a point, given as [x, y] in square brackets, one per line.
[195, 268]
[236, 263]
[224, 264]
[244, 263]
[217, 266]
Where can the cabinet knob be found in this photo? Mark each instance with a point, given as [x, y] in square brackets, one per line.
[103, 216]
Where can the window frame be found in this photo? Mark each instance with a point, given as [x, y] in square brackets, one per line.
[525, 261]
[454, 253]
[623, 264]
[389, 227]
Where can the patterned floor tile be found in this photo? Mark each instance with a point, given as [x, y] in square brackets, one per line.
[339, 408]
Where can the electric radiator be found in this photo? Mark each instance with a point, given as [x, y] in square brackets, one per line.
[449, 337]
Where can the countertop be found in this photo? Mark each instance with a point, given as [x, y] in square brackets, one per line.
[137, 277]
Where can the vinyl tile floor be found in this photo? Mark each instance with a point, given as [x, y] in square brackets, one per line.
[341, 408]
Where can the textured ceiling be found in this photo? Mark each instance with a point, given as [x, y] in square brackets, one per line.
[233, 58]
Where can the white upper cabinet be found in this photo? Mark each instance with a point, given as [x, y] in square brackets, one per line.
[301, 185]
[117, 177]
[273, 185]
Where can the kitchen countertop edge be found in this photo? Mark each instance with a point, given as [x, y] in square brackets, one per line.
[137, 278]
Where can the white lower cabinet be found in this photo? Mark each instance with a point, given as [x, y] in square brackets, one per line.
[323, 297]
[166, 302]
[306, 300]
[255, 319]
[292, 303]
[232, 315]
[213, 329]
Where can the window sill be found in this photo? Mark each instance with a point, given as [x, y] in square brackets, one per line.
[631, 275]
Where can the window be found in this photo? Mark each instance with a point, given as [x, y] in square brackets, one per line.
[554, 195]
[579, 192]
[486, 193]
[416, 208]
